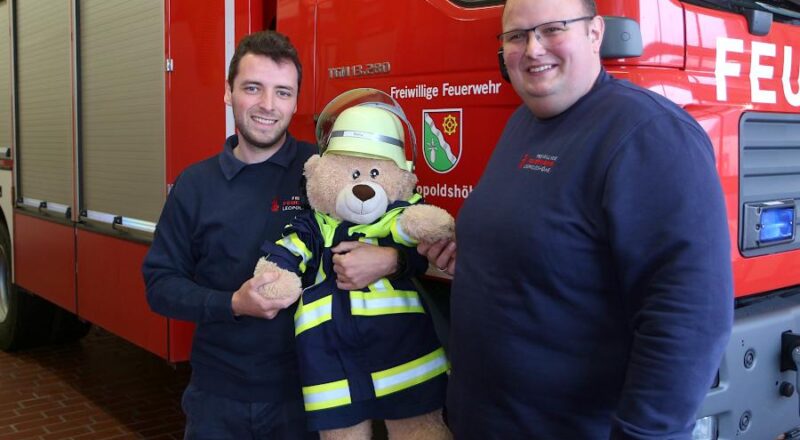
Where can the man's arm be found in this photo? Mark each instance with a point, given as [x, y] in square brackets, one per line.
[358, 264]
[169, 270]
[669, 237]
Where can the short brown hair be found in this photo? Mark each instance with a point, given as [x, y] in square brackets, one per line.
[271, 44]
[589, 5]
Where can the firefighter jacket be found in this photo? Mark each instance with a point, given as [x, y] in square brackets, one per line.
[358, 347]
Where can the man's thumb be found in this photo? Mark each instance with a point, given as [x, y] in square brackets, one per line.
[267, 277]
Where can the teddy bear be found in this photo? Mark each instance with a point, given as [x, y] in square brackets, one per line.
[369, 354]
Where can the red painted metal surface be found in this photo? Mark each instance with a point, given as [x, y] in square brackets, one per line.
[712, 38]
[440, 62]
[661, 23]
[444, 48]
[447, 45]
[249, 17]
[429, 52]
[296, 19]
[111, 292]
[44, 259]
[270, 14]
[195, 109]
[196, 113]
[180, 340]
[108, 289]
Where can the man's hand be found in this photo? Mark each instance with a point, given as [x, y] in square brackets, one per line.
[247, 301]
[441, 254]
[358, 264]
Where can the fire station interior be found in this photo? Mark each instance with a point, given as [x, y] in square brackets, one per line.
[104, 104]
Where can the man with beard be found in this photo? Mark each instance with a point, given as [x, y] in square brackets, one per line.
[592, 294]
[220, 211]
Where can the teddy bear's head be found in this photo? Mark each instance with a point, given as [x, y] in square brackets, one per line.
[363, 170]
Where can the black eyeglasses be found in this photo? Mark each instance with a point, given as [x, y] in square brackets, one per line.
[547, 34]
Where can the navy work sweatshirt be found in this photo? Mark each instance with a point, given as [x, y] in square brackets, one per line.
[593, 291]
[206, 245]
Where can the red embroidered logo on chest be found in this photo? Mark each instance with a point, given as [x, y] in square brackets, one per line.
[292, 204]
[541, 163]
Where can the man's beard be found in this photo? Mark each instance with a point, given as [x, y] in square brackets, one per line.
[262, 145]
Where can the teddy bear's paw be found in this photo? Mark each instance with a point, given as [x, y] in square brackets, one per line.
[427, 223]
[287, 285]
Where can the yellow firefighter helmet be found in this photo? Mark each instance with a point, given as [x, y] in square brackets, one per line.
[366, 123]
[370, 132]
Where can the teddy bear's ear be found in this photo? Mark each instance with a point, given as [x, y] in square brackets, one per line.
[311, 165]
[409, 183]
[410, 180]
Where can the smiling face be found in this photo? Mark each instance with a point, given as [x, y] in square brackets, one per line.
[355, 189]
[264, 99]
[550, 79]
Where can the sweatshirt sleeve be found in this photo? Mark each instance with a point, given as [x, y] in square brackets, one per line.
[413, 264]
[410, 262]
[169, 266]
[669, 236]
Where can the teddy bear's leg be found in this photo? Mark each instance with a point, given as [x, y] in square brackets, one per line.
[425, 427]
[362, 431]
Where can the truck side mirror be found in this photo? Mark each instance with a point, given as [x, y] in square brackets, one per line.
[622, 38]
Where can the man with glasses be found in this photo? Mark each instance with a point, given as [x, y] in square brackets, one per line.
[592, 293]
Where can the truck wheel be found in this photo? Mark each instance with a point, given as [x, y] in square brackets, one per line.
[16, 307]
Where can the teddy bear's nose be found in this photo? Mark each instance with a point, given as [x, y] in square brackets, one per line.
[363, 192]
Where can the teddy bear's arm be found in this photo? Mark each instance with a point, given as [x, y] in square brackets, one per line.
[289, 253]
[426, 223]
[289, 257]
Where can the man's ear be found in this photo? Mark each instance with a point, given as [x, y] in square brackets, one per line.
[597, 28]
[227, 97]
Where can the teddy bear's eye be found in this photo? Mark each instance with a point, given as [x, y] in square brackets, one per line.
[374, 173]
[356, 174]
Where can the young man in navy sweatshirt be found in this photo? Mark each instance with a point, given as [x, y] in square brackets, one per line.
[220, 211]
[592, 294]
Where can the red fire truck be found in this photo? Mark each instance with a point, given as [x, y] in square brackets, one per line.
[104, 102]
